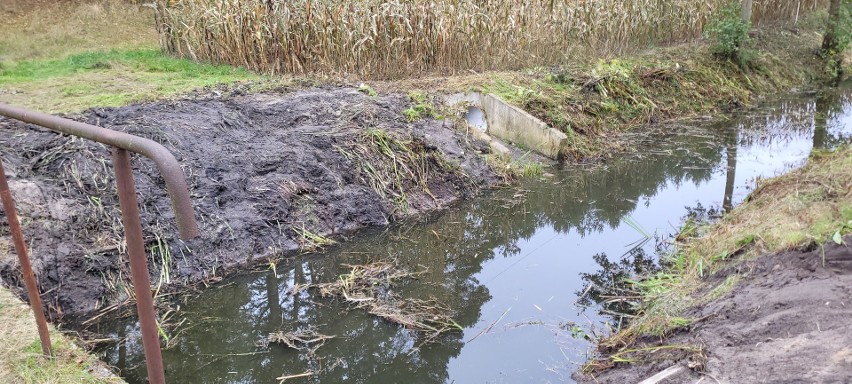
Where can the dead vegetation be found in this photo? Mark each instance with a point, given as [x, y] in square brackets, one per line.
[306, 341]
[399, 169]
[368, 287]
[395, 39]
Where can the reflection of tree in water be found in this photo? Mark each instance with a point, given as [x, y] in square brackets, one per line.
[219, 343]
[731, 169]
[700, 214]
[828, 106]
[610, 289]
[611, 292]
[797, 118]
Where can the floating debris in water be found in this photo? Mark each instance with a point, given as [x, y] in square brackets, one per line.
[368, 287]
[306, 341]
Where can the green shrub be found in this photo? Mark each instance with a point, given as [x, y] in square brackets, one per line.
[838, 36]
[422, 107]
[730, 35]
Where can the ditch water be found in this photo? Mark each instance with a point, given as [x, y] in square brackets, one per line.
[520, 266]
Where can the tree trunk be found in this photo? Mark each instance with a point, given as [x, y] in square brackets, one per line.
[830, 45]
[829, 42]
[746, 11]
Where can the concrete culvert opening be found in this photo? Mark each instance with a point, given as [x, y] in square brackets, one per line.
[475, 117]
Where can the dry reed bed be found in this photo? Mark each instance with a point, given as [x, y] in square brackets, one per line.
[398, 38]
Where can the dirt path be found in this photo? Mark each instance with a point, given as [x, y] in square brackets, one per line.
[269, 173]
[786, 321]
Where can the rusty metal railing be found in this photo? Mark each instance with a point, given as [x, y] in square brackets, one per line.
[122, 143]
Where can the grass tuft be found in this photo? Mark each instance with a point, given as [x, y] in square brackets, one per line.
[397, 168]
[21, 360]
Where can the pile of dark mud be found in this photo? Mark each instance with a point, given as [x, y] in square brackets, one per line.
[786, 321]
[269, 174]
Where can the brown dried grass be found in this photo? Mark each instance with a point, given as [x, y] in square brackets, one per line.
[20, 351]
[393, 39]
[42, 29]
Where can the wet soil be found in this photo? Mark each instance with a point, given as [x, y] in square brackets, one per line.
[269, 174]
[787, 321]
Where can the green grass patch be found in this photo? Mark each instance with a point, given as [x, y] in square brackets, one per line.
[423, 107]
[55, 29]
[150, 61]
[35, 368]
[65, 57]
[109, 78]
[523, 167]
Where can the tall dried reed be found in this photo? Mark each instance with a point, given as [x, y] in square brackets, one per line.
[399, 38]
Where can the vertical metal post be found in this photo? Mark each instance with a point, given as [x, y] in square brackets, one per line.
[26, 268]
[138, 265]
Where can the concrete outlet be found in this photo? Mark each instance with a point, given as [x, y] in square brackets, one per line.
[515, 125]
[508, 123]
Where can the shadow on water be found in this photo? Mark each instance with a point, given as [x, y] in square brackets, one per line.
[518, 266]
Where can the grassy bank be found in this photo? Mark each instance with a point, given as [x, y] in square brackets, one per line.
[803, 209]
[69, 56]
[595, 100]
[20, 351]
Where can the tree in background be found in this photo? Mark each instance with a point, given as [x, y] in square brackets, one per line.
[838, 33]
[728, 29]
[746, 11]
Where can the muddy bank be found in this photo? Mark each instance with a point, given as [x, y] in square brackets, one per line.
[786, 321]
[269, 174]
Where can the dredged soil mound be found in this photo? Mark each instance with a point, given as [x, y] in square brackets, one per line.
[788, 320]
[269, 174]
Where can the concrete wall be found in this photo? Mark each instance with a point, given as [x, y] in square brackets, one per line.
[470, 98]
[515, 125]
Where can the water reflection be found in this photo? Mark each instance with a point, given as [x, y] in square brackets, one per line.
[514, 265]
[829, 120]
[731, 170]
[609, 290]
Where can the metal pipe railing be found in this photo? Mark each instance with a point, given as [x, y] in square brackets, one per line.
[175, 184]
[23, 257]
[166, 163]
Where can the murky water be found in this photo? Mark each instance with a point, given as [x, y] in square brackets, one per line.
[519, 266]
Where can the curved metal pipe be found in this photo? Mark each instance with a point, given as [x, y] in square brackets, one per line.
[167, 164]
